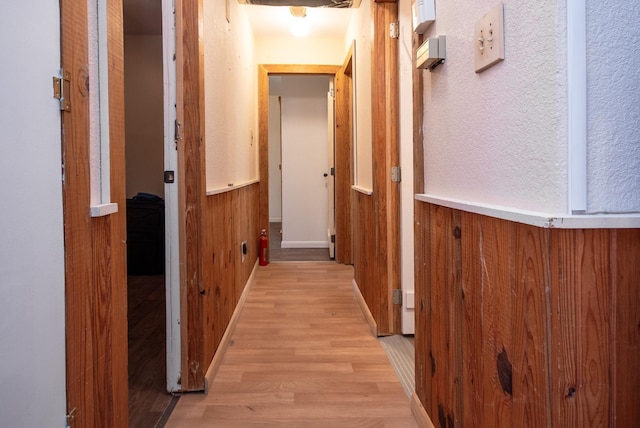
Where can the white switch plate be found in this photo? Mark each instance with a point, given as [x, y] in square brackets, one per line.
[488, 39]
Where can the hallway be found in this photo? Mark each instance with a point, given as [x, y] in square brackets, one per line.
[302, 355]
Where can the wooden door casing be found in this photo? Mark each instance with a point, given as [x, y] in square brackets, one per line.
[95, 248]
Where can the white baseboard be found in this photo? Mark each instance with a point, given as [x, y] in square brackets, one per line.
[304, 244]
[275, 219]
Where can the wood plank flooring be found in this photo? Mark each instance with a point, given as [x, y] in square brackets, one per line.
[301, 355]
[148, 397]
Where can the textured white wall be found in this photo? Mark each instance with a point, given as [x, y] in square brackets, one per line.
[304, 160]
[499, 137]
[361, 31]
[275, 173]
[32, 307]
[144, 114]
[613, 106]
[299, 50]
[230, 86]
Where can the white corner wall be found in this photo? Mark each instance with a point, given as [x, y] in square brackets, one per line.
[361, 31]
[230, 86]
[499, 137]
[275, 173]
[144, 133]
[613, 106]
[300, 50]
[32, 307]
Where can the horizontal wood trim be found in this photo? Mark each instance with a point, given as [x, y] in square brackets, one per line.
[300, 69]
[231, 188]
[373, 326]
[545, 315]
[539, 219]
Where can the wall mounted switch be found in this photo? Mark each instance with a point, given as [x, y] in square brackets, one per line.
[488, 39]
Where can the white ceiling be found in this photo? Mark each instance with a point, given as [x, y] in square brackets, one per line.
[145, 17]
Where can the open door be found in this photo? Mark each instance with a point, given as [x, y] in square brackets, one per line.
[331, 184]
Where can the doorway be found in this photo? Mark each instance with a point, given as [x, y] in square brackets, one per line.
[299, 167]
[144, 136]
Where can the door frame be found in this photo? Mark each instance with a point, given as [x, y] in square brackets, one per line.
[264, 71]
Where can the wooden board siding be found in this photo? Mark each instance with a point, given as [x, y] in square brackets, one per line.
[230, 219]
[344, 161]
[544, 330]
[95, 249]
[190, 113]
[381, 237]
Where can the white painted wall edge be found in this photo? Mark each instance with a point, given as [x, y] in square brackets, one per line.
[304, 244]
[367, 192]
[577, 104]
[103, 210]
[231, 187]
[539, 219]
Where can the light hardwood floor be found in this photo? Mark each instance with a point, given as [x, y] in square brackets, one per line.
[301, 355]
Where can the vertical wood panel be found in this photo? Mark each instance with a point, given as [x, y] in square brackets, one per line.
[95, 249]
[531, 387]
[625, 339]
[117, 222]
[550, 323]
[446, 311]
[423, 337]
[344, 162]
[191, 171]
[583, 306]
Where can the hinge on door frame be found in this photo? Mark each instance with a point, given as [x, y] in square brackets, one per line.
[396, 174]
[396, 296]
[333, 171]
[394, 30]
[62, 88]
[333, 239]
[71, 418]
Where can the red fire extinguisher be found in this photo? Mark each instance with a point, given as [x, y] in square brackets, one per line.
[264, 245]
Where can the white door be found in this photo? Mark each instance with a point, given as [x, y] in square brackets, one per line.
[331, 176]
[32, 308]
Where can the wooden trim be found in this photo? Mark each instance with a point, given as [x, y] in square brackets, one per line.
[231, 188]
[264, 70]
[368, 316]
[419, 413]
[226, 338]
[190, 111]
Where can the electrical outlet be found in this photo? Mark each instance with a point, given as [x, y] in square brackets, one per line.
[488, 39]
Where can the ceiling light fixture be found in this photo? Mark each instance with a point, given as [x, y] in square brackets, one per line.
[299, 26]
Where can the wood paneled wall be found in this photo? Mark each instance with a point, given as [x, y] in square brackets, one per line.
[230, 219]
[95, 248]
[524, 326]
[376, 221]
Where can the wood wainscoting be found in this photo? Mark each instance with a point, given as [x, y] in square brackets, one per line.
[519, 325]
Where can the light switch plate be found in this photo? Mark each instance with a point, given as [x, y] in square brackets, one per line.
[488, 39]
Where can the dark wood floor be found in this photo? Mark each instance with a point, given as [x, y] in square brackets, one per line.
[301, 355]
[148, 397]
[279, 254]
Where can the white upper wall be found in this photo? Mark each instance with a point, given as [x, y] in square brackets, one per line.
[230, 87]
[613, 106]
[361, 31]
[499, 137]
[299, 50]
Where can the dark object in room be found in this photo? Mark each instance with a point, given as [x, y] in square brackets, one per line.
[145, 236]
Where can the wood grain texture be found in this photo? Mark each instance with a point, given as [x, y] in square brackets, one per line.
[301, 355]
[548, 319]
[379, 238]
[344, 161]
[190, 109]
[95, 249]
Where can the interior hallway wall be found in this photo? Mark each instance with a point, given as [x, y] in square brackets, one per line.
[230, 92]
[275, 172]
[144, 114]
